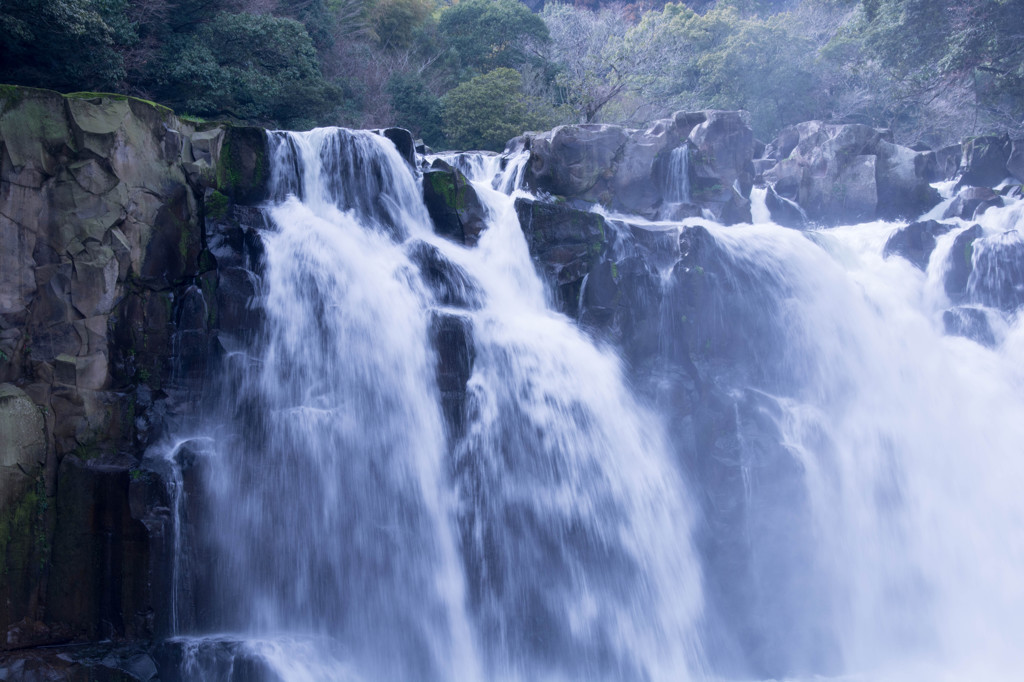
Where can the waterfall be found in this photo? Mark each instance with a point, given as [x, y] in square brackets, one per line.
[677, 180]
[418, 471]
[880, 456]
[353, 529]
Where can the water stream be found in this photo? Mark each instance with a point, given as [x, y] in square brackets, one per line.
[554, 529]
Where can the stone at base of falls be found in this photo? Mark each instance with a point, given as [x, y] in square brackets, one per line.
[916, 241]
[214, 659]
[970, 323]
[77, 663]
[453, 204]
[971, 202]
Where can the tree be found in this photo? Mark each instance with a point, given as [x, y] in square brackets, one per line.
[489, 110]
[250, 67]
[594, 65]
[490, 34]
[64, 44]
[416, 108]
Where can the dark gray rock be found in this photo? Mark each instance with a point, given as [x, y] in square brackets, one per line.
[449, 283]
[783, 211]
[402, 139]
[971, 202]
[984, 161]
[1015, 162]
[961, 262]
[970, 323]
[916, 241]
[851, 173]
[453, 205]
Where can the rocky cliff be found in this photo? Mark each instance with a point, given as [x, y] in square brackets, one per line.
[109, 317]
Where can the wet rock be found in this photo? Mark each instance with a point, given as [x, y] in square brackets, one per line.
[984, 161]
[997, 276]
[449, 283]
[1015, 162]
[916, 241]
[722, 169]
[569, 160]
[628, 169]
[452, 338]
[971, 202]
[947, 161]
[454, 206]
[970, 323]
[783, 211]
[566, 243]
[960, 264]
[99, 580]
[402, 139]
[850, 173]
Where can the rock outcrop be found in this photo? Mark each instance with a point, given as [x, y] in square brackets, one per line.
[114, 215]
[628, 170]
[850, 173]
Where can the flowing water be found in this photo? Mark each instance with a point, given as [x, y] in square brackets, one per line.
[352, 528]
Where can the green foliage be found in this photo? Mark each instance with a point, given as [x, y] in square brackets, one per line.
[490, 34]
[416, 108]
[64, 44]
[489, 110]
[248, 67]
[395, 22]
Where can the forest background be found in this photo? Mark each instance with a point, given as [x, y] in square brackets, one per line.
[475, 73]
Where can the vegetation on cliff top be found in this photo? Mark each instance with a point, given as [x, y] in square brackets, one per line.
[932, 70]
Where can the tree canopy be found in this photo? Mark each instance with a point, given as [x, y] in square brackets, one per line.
[932, 70]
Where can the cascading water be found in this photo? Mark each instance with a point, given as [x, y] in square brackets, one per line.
[677, 180]
[855, 470]
[351, 534]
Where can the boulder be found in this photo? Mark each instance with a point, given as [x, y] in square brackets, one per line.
[961, 262]
[402, 139]
[453, 205]
[970, 323]
[570, 160]
[452, 338]
[984, 160]
[449, 283]
[1015, 162]
[971, 202]
[784, 211]
[630, 170]
[721, 169]
[916, 241]
[947, 161]
[851, 173]
[566, 243]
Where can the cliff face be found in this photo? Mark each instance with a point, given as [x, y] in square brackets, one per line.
[108, 319]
